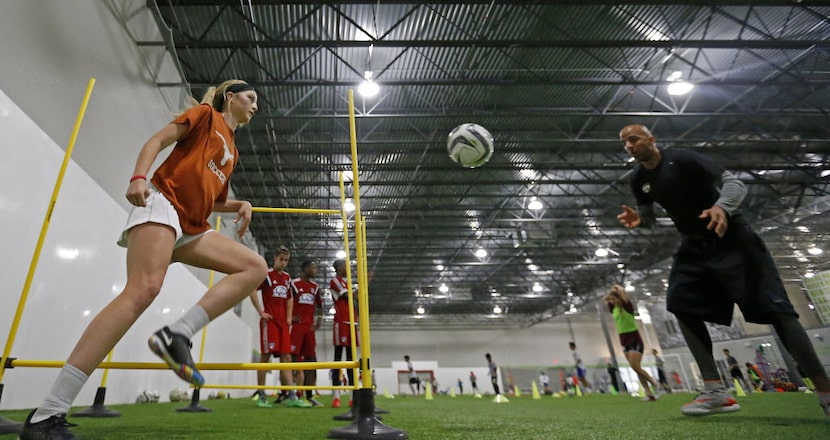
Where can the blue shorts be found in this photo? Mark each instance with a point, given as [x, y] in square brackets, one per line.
[580, 372]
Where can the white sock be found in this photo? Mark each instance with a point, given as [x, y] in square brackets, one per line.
[64, 391]
[712, 385]
[191, 322]
[336, 394]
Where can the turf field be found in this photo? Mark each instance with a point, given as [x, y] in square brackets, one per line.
[763, 416]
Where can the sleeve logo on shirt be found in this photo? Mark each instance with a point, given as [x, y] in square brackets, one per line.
[646, 188]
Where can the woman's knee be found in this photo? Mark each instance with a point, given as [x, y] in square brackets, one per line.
[142, 292]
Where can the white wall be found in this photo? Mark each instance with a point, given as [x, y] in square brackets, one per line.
[50, 49]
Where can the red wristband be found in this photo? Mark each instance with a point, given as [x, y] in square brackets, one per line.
[134, 178]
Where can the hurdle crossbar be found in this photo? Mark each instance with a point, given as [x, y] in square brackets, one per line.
[297, 210]
[16, 363]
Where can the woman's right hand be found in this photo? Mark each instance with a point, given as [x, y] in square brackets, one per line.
[138, 192]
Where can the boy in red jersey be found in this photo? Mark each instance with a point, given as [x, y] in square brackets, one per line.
[341, 333]
[307, 304]
[275, 315]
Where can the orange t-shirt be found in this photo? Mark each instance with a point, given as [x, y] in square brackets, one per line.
[197, 172]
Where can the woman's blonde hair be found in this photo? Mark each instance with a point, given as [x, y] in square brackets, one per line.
[215, 96]
[617, 291]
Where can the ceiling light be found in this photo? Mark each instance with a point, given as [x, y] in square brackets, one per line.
[348, 205]
[629, 288]
[481, 253]
[532, 267]
[680, 88]
[809, 274]
[620, 266]
[440, 267]
[443, 288]
[332, 311]
[368, 89]
[420, 310]
[601, 252]
[674, 76]
[814, 251]
[534, 204]
[824, 173]
[537, 287]
[496, 310]
[341, 254]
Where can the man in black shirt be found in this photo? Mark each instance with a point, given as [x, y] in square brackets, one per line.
[721, 261]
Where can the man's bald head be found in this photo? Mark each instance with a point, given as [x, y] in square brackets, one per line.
[636, 128]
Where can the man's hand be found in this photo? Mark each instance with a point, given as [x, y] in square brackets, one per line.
[718, 221]
[629, 217]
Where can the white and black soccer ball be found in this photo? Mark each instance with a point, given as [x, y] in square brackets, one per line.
[178, 394]
[147, 396]
[470, 145]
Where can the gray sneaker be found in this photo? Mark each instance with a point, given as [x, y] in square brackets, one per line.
[711, 402]
[53, 428]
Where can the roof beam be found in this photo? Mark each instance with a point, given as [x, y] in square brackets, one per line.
[505, 44]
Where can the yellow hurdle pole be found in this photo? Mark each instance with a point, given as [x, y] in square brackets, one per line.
[21, 304]
[362, 302]
[17, 363]
[296, 210]
[210, 284]
[106, 371]
[350, 298]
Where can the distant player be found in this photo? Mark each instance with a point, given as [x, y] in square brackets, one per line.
[493, 372]
[414, 381]
[307, 305]
[274, 325]
[579, 367]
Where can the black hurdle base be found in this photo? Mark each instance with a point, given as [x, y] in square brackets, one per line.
[194, 406]
[365, 425]
[98, 409]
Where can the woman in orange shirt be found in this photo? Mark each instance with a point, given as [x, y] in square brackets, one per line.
[168, 223]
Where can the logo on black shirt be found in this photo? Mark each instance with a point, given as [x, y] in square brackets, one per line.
[646, 188]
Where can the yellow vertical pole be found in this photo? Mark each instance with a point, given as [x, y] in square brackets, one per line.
[107, 371]
[210, 284]
[350, 298]
[21, 304]
[362, 300]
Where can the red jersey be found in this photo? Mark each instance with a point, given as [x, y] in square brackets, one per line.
[276, 293]
[306, 300]
[340, 292]
[197, 173]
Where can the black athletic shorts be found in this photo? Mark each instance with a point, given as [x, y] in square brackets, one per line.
[709, 275]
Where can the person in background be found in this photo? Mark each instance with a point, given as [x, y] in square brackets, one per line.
[275, 314]
[579, 368]
[661, 372]
[307, 304]
[620, 305]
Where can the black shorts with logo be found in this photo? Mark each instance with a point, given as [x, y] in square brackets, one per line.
[710, 274]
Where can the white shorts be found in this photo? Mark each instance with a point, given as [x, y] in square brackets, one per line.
[158, 210]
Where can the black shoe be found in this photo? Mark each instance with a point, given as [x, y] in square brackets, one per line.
[53, 428]
[281, 398]
[174, 349]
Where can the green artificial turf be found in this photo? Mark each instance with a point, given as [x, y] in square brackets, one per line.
[763, 416]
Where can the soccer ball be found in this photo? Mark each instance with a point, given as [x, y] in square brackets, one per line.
[148, 396]
[470, 145]
[178, 394]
